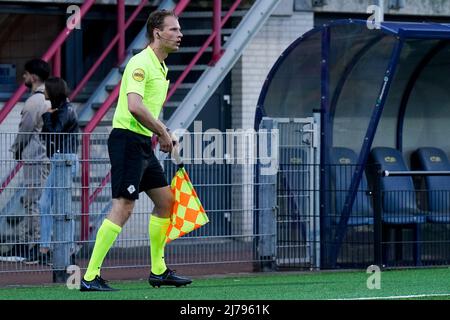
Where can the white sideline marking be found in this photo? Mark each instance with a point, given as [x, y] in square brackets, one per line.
[400, 297]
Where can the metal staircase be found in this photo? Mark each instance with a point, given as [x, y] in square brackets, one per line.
[195, 73]
[205, 86]
[196, 78]
[196, 27]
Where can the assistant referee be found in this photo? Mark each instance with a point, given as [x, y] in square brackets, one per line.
[134, 167]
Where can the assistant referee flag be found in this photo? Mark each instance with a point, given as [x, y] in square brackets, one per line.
[187, 213]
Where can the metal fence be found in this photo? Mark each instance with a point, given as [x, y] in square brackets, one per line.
[391, 224]
[262, 195]
[412, 225]
[220, 165]
[297, 181]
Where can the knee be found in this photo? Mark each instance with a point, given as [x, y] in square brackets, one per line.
[167, 203]
[121, 211]
[127, 208]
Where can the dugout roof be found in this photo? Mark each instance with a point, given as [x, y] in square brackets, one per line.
[339, 70]
[370, 87]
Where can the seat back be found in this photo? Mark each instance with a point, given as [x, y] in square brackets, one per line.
[398, 192]
[434, 159]
[344, 162]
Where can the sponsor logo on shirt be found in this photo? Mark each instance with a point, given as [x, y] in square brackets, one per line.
[138, 74]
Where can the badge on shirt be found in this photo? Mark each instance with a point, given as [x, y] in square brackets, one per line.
[138, 75]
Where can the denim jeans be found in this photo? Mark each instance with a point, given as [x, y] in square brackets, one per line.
[56, 198]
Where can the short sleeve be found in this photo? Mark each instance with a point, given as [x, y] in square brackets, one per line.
[136, 77]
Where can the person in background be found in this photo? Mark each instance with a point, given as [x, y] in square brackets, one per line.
[28, 148]
[60, 131]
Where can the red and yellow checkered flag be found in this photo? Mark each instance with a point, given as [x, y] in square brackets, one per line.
[187, 213]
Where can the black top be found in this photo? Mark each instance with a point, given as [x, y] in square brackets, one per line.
[63, 120]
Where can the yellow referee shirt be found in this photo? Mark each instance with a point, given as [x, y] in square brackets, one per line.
[146, 76]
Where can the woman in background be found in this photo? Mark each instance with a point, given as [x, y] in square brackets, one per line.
[60, 133]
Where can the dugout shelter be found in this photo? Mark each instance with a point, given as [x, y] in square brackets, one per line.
[367, 86]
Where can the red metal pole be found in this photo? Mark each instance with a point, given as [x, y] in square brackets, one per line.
[217, 46]
[11, 176]
[85, 188]
[181, 6]
[57, 63]
[103, 109]
[85, 161]
[65, 33]
[46, 57]
[121, 30]
[11, 102]
[201, 51]
[85, 198]
[105, 53]
[100, 188]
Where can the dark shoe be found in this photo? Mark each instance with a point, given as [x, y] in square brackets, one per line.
[98, 284]
[168, 278]
[32, 256]
[45, 259]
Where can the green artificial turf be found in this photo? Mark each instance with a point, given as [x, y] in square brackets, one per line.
[398, 284]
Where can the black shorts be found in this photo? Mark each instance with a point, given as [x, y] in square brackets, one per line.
[134, 167]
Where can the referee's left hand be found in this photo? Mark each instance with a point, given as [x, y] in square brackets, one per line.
[174, 139]
[165, 142]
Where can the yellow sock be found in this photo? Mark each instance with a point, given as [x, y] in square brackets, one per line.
[106, 235]
[157, 228]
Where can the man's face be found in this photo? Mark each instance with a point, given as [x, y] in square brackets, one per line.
[28, 79]
[170, 35]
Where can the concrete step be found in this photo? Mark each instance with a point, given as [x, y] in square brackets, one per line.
[172, 104]
[197, 67]
[99, 198]
[110, 87]
[205, 32]
[193, 49]
[93, 181]
[183, 86]
[209, 14]
[97, 106]
[103, 123]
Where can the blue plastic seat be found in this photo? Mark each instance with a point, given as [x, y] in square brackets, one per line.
[343, 162]
[438, 187]
[398, 204]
